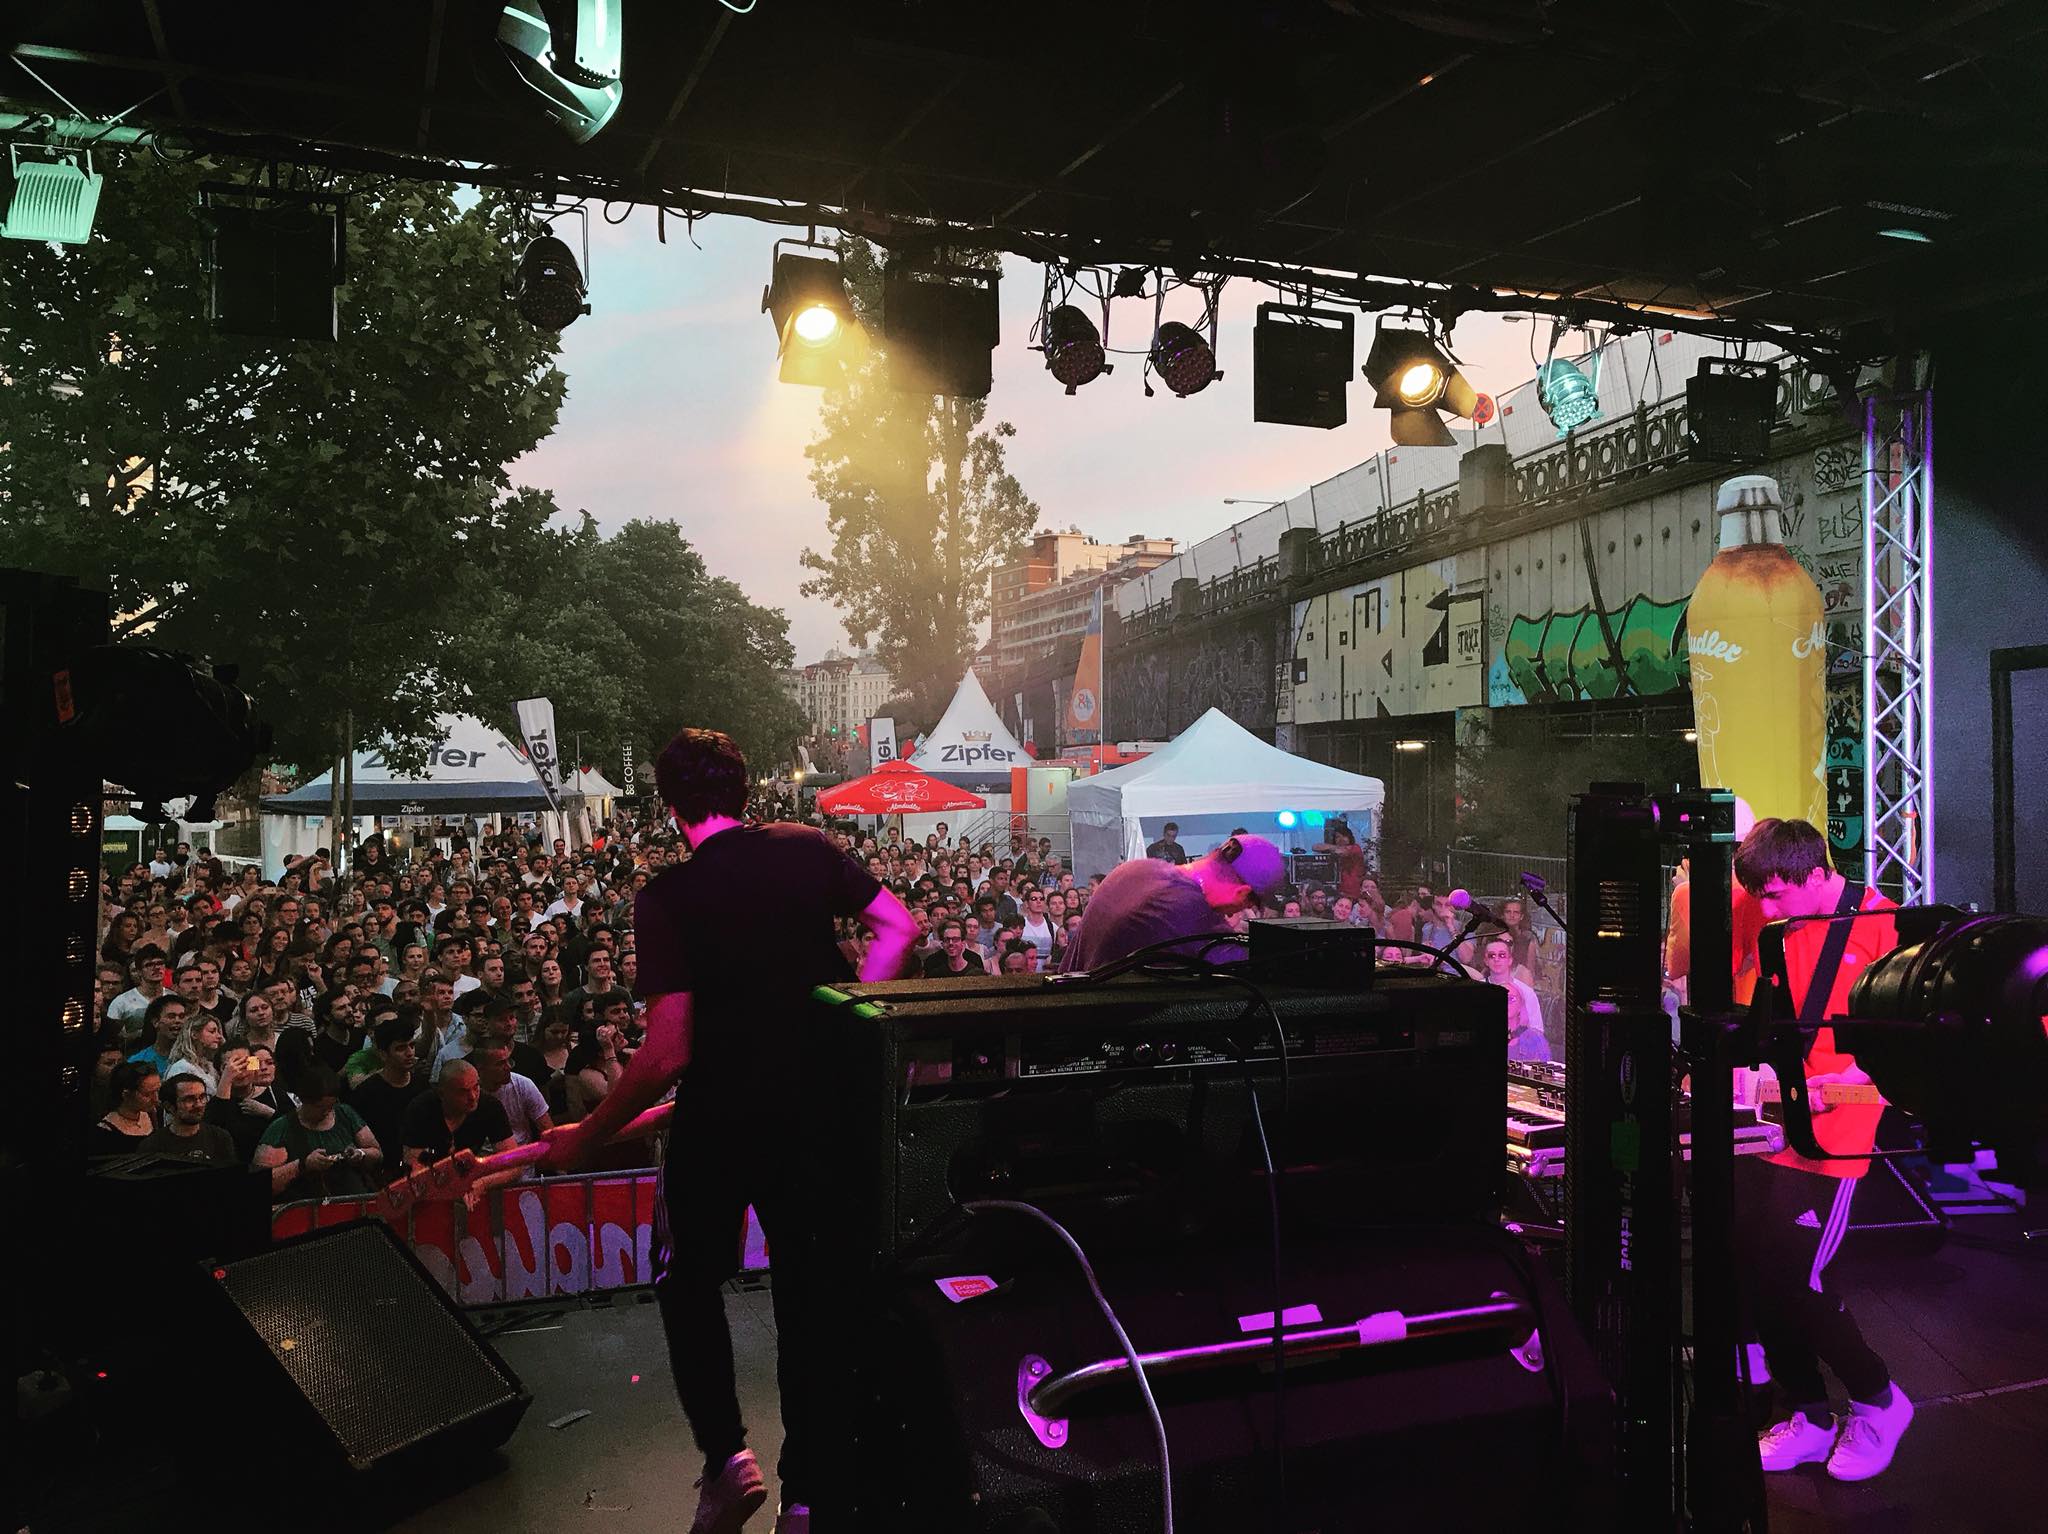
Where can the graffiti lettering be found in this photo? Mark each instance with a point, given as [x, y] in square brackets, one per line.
[1564, 656]
[1841, 526]
[1835, 468]
[1837, 576]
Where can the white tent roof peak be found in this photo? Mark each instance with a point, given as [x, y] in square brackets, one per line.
[970, 742]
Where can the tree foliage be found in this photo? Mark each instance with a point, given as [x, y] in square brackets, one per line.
[337, 519]
[631, 637]
[921, 507]
[1517, 778]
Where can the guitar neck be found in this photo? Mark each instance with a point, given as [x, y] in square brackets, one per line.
[1834, 1094]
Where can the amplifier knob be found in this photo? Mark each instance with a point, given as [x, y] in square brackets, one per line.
[1142, 1054]
[1168, 1050]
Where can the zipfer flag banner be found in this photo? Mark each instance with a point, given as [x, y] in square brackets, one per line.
[1084, 699]
[537, 728]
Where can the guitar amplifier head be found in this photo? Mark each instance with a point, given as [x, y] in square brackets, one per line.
[1128, 1106]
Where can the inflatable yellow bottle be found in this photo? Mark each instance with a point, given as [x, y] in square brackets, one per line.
[1759, 663]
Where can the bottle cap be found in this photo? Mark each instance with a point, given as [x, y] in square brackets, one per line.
[1749, 507]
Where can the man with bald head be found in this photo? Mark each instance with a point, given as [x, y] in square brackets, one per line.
[457, 1115]
[1147, 901]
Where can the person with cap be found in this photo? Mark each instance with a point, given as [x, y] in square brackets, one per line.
[1148, 901]
[1168, 848]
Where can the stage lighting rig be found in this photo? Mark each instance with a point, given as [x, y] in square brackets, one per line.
[942, 323]
[806, 297]
[1414, 378]
[1567, 395]
[1301, 365]
[549, 289]
[56, 193]
[568, 53]
[1073, 347]
[1182, 356]
[1730, 406]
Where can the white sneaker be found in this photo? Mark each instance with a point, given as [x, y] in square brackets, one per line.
[1795, 1442]
[1870, 1436]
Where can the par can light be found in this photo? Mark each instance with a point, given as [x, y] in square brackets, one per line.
[1073, 348]
[1183, 358]
[549, 289]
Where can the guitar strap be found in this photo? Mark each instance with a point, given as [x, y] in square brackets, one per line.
[1814, 1008]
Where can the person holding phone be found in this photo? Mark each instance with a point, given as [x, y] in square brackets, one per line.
[322, 1148]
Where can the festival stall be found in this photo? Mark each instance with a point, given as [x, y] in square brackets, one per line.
[472, 771]
[971, 748]
[1212, 778]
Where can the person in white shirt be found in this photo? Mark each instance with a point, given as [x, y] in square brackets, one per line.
[525, 1108]
[1037, 927]
[146, 967]
[570, 902]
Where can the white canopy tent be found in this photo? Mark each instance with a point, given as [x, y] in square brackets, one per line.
[970, 747]
[472, 770]
[1210, 779]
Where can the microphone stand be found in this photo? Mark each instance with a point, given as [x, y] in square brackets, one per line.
[1533, 888]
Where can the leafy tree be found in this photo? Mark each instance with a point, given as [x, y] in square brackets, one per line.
[921, 508]
[631, 637]
[306, 511]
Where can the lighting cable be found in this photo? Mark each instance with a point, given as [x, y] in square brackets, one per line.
[1032, 1211]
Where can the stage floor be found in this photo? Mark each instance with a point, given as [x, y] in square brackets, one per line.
[1965, 1330]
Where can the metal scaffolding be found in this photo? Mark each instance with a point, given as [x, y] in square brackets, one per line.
[1898, 645]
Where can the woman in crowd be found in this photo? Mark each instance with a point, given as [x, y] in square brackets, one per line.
[267, 1093]
[255, 1022]
[557, 1041]
[122, 935]
[237, 1109]
[322, 1148]
[132, 1120]
[1369, 908]
[273, 957]
[593, 1068]
[1514, 916]
[547, 985]
[106, 1061]
[197, 1052]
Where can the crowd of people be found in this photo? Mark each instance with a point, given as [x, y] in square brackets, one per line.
[339, 1028]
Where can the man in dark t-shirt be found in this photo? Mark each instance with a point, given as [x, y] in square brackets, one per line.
[728, 1022]
[457, 1115]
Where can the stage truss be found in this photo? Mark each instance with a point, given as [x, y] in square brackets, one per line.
[1898, 645]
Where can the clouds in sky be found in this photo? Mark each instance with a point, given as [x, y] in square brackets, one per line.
[674, 411]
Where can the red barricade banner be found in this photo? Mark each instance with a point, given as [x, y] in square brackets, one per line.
[530, 1240]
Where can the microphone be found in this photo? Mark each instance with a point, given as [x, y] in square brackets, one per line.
[1479, 915]
[1534, 884]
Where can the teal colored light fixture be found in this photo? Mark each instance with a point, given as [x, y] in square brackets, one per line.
[1567, 395]
[1911, 236]
[56, 193]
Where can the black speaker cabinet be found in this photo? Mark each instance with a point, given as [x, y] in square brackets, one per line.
[346, 1355]
[1467, 1432]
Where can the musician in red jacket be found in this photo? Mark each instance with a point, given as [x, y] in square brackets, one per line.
[1792, 1213]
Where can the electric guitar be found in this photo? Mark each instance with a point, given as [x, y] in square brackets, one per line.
[453, 1176]
[1829, 1094]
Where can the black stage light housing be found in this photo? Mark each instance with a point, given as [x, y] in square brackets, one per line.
[942, 325]
[806, 298]
[1413, 380]
[1073, 348]
[1183, 358]
[160, 727]
[549, 290]
[273, 262]
[1729, 408]
[568, 54]
[1301, 366]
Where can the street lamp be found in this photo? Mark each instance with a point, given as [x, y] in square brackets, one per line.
[1231, 500]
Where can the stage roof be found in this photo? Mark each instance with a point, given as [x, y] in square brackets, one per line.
[1742, 155]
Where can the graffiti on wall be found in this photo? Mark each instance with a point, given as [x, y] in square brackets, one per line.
[1157, 692]
[1564, 657]
[1844, 765]
[1406, 643]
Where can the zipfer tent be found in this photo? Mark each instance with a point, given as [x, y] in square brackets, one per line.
[970, 747]
[1211, 778]
[471, 770]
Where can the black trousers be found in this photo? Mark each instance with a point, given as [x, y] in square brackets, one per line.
[1789, 1225]
[707, 1183]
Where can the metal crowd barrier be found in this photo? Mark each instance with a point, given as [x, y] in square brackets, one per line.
[553, 1237]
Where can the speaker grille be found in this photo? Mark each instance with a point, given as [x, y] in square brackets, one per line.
[374, 1349]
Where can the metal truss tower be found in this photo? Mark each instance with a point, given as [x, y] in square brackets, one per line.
[1898, 645]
